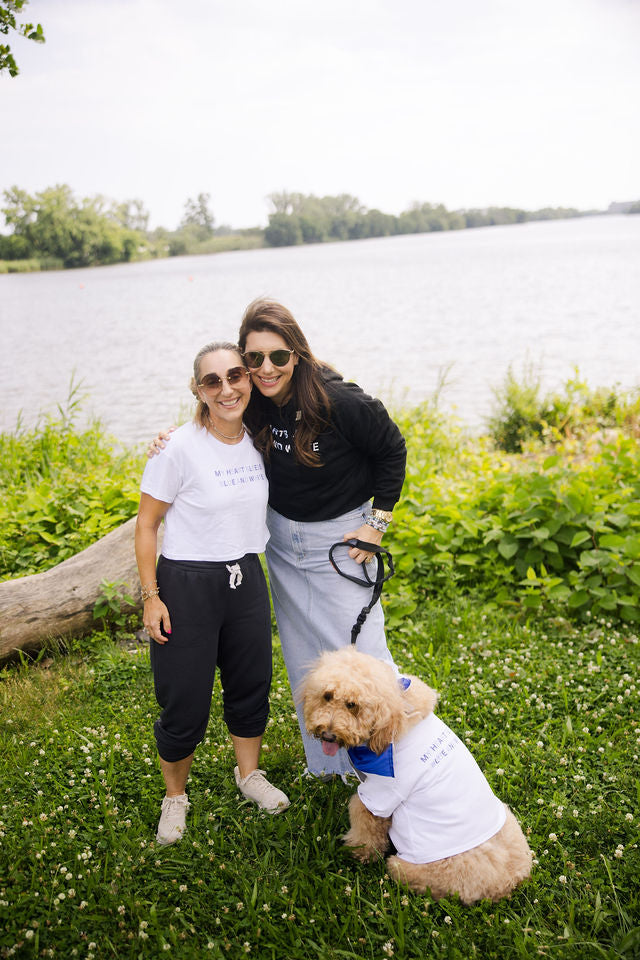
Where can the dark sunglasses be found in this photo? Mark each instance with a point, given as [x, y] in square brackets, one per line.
[213, 383]
[279, 358]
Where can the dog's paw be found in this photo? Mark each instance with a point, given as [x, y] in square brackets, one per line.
[364, 852]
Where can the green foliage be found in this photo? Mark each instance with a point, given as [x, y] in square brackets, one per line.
[521, 414]
[53, 223]
[284, 230]
[108, 608]
[518, 415]
[560, 530]
[63, 488]
[8, 22]
[198, 215]
[20, 266]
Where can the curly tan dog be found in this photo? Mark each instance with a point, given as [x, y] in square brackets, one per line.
[421, 789]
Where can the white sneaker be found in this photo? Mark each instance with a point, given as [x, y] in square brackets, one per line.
[172, 823]
[256, 787]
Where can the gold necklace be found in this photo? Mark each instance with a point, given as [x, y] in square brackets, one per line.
[220, 434]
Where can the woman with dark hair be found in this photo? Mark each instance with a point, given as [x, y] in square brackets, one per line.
[206, 604]
[329, 450]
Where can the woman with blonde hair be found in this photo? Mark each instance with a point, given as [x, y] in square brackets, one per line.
[208, 604]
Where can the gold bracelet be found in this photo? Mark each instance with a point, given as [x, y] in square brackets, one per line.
[151, 590]
[385, 515]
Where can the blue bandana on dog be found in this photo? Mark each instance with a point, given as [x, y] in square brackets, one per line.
[364, 759]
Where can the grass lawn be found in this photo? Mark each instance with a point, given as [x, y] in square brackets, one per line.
[550, 710]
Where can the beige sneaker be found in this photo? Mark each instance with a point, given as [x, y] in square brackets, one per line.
[256, 787]
[172, 823]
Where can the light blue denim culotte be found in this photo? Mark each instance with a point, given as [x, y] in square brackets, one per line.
[316, 608]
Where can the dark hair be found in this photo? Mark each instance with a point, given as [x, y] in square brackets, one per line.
[201, 416]
[308, 391]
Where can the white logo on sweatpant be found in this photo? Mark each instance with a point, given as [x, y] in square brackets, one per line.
[235, 575]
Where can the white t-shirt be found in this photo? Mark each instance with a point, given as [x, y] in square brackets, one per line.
[218, 495]
[438, 798]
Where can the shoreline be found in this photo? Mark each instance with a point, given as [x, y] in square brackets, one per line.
[236, 242]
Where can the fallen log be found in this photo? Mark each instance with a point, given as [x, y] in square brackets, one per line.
[60, 601]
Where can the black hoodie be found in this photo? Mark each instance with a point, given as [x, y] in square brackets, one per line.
[363, 455]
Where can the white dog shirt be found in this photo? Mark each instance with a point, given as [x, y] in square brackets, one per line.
[438, 798]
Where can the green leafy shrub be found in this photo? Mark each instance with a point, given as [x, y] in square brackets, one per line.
[560, 530]
[63, 488]
[110, 607]
[522, 415]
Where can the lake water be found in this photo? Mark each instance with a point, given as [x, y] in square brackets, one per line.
[391, 313]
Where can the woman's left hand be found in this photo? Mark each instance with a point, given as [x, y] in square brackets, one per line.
[369, 535]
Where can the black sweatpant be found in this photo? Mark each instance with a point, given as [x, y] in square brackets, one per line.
[218, 618]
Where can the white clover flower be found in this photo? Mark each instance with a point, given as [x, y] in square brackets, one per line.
[562, 879]
[448, 920]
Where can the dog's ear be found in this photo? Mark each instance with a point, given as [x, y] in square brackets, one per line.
[419, 699]
[387, 728]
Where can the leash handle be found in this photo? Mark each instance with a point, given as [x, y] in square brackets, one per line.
[376, 548]
[366, 581]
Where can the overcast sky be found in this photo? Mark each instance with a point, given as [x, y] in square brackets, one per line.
[469, 103]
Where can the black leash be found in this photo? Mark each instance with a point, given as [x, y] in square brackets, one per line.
[365, 581]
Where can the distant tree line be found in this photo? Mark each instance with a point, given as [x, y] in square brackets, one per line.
[53, 228]
[299, 218]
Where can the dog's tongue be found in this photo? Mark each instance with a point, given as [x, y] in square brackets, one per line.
[329, 748]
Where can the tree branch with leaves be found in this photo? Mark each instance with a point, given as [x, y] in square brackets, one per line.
[9, 9]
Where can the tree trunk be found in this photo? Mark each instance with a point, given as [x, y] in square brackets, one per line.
[60, 601]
